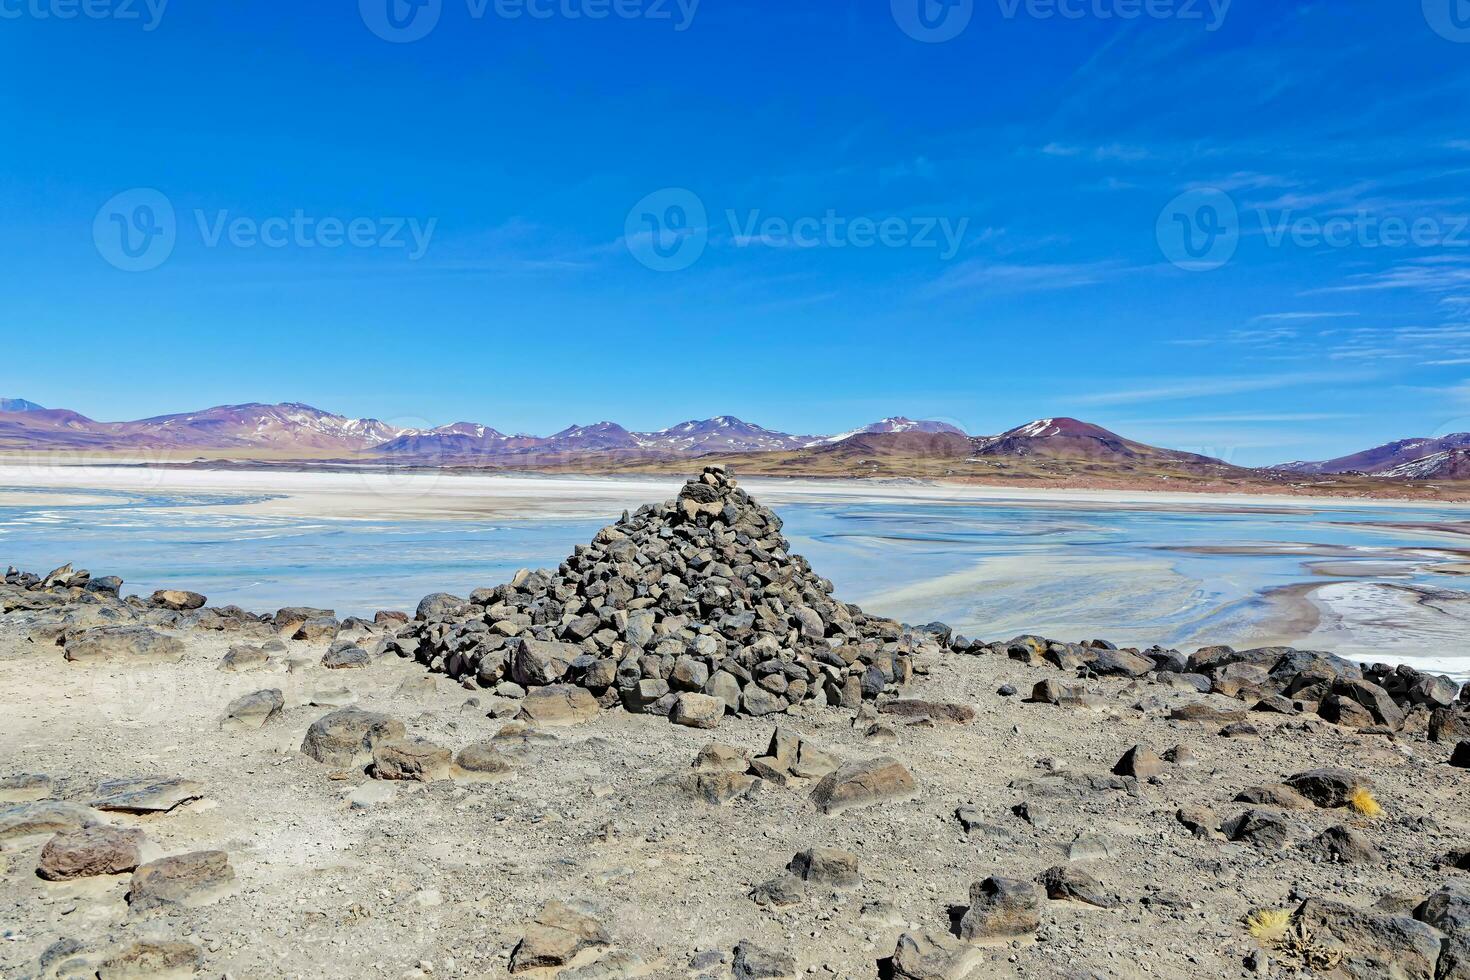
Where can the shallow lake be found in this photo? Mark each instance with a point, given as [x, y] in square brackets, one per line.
[1371, 581]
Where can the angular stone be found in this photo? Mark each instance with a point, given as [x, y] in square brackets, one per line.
[559, 705]
[1274, 794]
[1001, 909]
[123, 644]
[1262, 830]
[252, 711]
[146, 794]
[1067, 882]
[177, 599]
[1328, 787]
[863, 784]
[933, 956]
[780, 892]
[481, 762]
[752, 962]
[758, 702]
[828, 866]
[1140, 762]
[347, 737]
[535, 663]
[413, 759]
[1343, 845]
[1120, 663]
[697, 711]
[189, 880]
[555, 937]
[719, 757]
[724, 788]
[245, 659]
[91, 851]
[346, 658]
[317, 629]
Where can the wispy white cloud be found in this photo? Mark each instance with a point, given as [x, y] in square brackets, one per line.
[1182, 388]
[987, 274]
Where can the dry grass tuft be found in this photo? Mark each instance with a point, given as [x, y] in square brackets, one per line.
[1268, 925]
[1363, 803]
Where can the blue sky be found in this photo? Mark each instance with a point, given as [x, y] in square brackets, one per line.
[1026, 176]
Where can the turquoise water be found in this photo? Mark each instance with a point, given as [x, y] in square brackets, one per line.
[1140, 575]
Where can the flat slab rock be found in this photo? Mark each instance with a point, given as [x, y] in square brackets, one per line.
[189, 880]
[146, 794]
[939, 711]
[123, 644]
[864, 784]
[26, 787]
[45, 817]
[153, 959]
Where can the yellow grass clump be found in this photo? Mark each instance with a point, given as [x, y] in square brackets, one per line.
[1268, 924]
[1362, 802]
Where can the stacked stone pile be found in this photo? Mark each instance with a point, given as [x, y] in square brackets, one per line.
[683, 608]
[1282, 680]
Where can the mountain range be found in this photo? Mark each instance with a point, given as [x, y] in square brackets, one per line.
[296, 428]
[1426, 459]
[1044, 449]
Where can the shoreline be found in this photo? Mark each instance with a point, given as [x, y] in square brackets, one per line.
[448, 495]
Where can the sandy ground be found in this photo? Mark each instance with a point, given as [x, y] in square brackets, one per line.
[449, 874]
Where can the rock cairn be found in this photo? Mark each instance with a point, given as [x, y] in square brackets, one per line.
[693, 599]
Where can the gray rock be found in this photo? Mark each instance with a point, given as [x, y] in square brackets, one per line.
[347, 737]
[1067, 882]
[44, 818]
[146, 794]
[826, 866]
[1328, 787]
[1343, 845]
[933, 956]
[863, 784]
[752, 962]
[1372, 946]
[185, 880]
[1001, 908]
[252, 711]
[123, 644]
